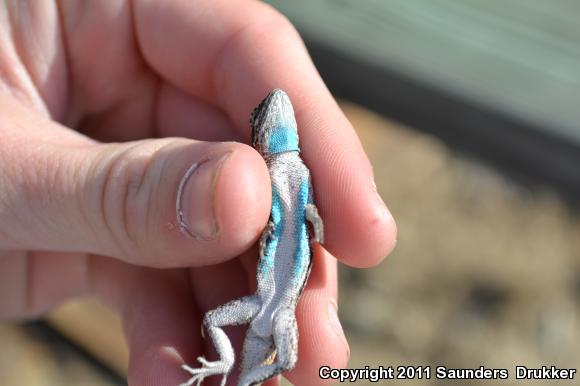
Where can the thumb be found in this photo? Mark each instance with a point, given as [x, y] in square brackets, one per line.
[62, 191]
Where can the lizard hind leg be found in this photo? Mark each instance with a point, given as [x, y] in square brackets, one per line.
[285, 335]
[236, 312]
[256, 351]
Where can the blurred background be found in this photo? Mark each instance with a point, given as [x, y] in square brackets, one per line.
[469, 112]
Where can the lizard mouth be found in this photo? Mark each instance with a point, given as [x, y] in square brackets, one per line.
[259, 115]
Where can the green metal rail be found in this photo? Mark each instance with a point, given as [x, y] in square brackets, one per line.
[521, 57]
[501, 74]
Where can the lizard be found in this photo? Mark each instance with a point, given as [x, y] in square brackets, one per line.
[271, 341]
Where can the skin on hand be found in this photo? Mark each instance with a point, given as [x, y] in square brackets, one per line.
[87, 197]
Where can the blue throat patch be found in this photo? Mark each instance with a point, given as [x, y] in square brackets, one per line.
[282, 140]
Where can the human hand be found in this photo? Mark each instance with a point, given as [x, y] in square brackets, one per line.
[87, 203]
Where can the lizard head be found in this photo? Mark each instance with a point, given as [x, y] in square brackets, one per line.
[273, 125]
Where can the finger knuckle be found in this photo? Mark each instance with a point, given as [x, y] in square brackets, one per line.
[275, 25]
[128, 193]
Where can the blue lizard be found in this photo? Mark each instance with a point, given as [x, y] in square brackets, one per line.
[271, 343]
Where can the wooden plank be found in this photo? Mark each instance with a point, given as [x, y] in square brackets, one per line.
[96, 329]
[35, 355]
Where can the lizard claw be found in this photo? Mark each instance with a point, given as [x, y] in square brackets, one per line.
[205, 363]
[207, 369]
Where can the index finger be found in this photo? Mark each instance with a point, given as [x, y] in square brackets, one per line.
[231, 54]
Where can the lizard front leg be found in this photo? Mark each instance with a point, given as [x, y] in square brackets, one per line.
[236, 312]
[313, 218]
[266, 237]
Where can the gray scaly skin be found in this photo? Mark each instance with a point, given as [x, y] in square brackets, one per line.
[271, 344]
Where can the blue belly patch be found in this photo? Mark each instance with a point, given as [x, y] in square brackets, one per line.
[277, 214]
[302, 253]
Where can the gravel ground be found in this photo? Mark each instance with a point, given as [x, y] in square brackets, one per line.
[486, 272]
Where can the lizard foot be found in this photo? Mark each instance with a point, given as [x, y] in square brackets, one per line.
[207, 369]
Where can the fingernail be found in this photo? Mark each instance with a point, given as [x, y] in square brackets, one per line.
[335, 325]
[382, 207]
[195, 198]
